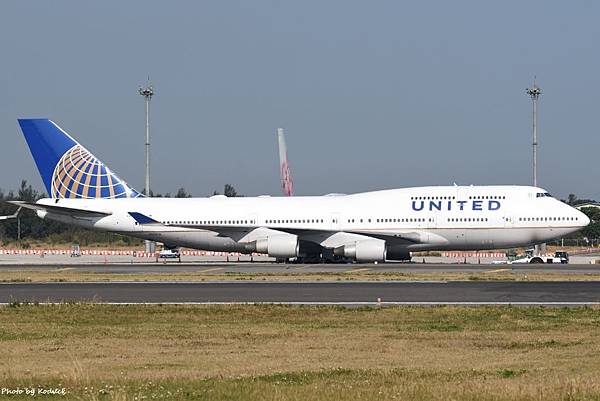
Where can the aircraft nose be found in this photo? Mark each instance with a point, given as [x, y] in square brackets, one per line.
[583, 219]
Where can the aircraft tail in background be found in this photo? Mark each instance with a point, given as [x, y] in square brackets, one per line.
[68, 169]
[287, 185]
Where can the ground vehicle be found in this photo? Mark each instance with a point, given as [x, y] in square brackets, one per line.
[530, 257]
[563, 256]
[170, 254]
[75, 251]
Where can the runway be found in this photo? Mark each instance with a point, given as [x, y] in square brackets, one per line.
[272, 268]
[342, 293]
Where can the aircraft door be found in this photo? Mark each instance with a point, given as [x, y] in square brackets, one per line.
[336, 221]
[508, 220]
[253, 220]
[432, 220]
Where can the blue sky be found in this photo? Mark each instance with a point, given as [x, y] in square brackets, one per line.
[372, 95]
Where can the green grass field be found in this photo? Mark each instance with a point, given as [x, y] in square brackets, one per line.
[104, 352]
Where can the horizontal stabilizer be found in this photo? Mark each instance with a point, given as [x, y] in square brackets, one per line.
[69, 211]
[12, 216]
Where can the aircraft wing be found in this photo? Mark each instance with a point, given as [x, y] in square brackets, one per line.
[410, 237]
[234, 232]
[323, 237]
[68, 211]
[413, 237]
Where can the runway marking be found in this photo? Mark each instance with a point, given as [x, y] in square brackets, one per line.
[63, 269]
[210, 270]
[497, 271]
[358, 270]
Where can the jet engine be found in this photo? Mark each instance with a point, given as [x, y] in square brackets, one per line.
[277, 246]
[368, 250]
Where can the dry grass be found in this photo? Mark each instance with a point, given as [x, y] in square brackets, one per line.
[279, 352]
[76, 275]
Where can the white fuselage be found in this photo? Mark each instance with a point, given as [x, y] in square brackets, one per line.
[409, 219]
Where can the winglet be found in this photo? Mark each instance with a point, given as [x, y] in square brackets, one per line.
[142, 218]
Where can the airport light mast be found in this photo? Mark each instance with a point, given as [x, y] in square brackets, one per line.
[147, 93]
[534, 92]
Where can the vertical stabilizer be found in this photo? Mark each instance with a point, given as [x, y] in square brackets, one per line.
[68, 169]
[287, 185]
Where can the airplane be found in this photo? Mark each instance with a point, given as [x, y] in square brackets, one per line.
[287, 184]
[366, 227]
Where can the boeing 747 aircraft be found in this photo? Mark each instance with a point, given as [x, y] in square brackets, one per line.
[366, 227]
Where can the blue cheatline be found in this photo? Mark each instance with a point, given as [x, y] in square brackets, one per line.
[68, 169]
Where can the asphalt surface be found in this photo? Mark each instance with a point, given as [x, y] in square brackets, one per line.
[346, 293]
[272, 268]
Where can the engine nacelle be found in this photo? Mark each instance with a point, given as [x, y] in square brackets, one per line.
[363, 251]
[277, 246]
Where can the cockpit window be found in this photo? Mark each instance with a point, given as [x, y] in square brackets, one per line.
[543, 194]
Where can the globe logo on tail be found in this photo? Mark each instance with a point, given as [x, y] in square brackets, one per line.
[79, 174]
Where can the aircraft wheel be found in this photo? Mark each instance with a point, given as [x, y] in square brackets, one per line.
[536, 260]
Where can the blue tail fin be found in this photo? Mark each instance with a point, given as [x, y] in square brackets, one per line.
[68, 169]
